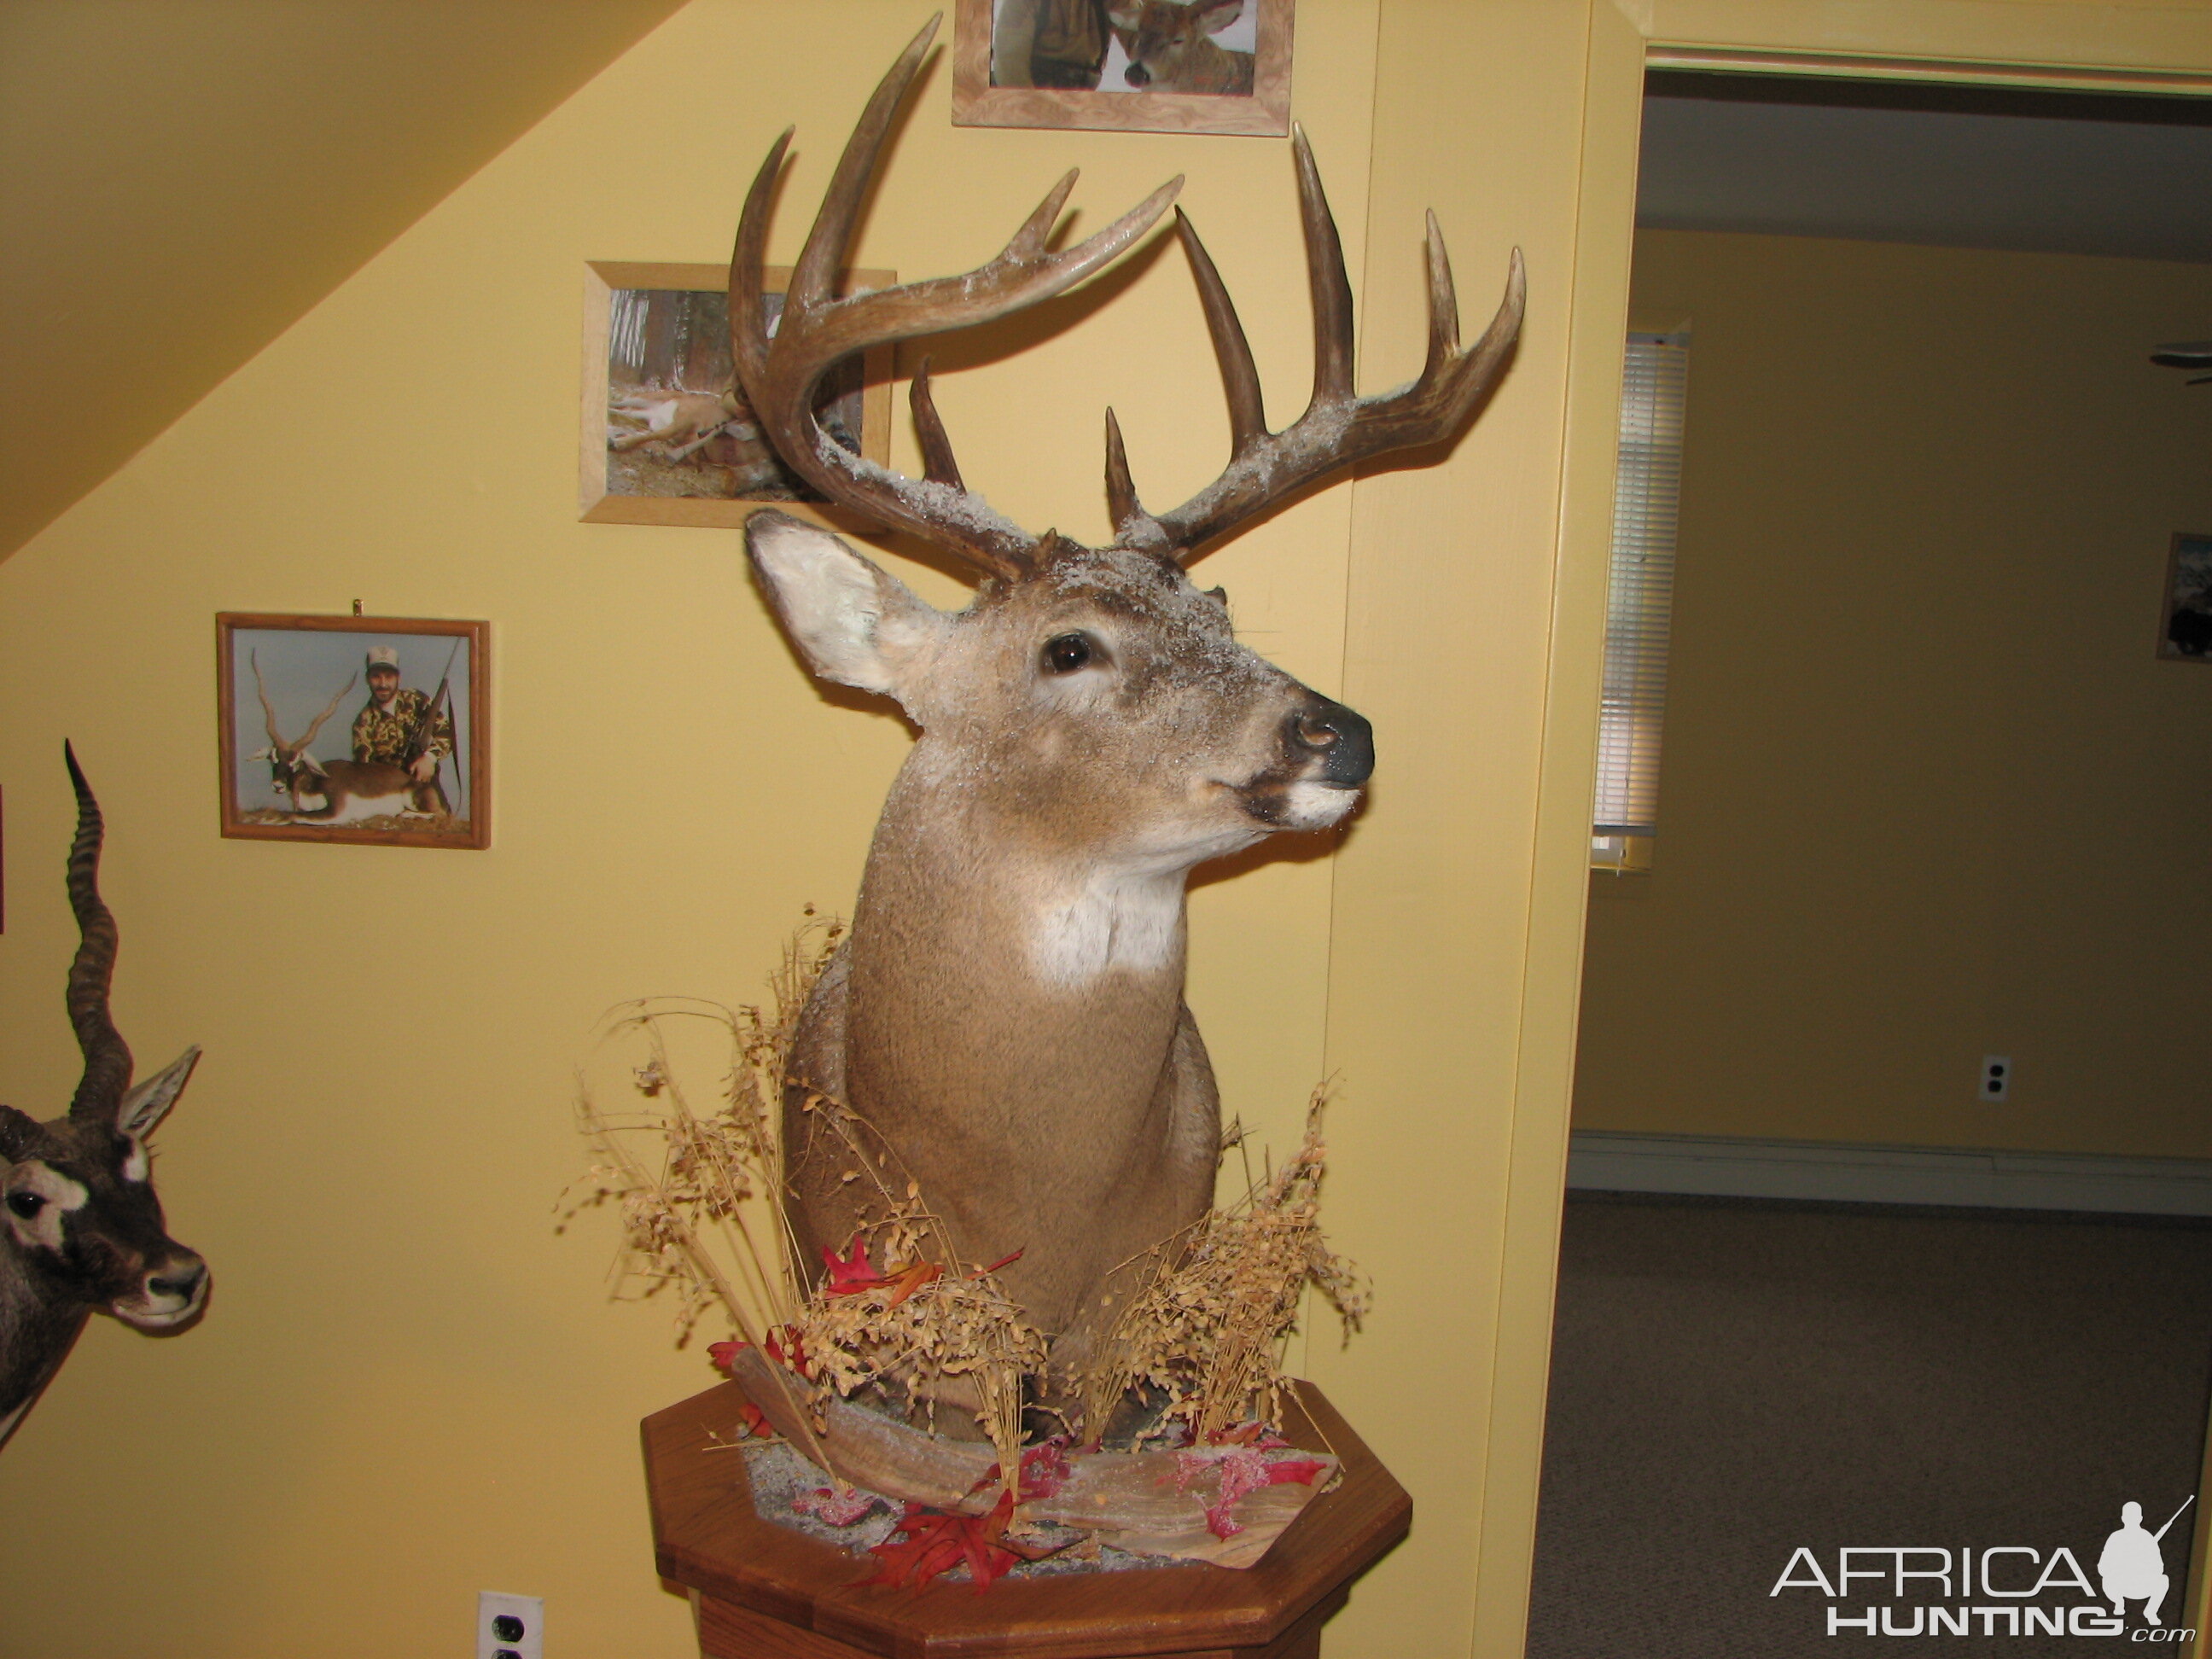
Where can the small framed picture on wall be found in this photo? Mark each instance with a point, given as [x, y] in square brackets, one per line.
[667, 436]
[1124, 65]
[2184, 620]
[372, 729]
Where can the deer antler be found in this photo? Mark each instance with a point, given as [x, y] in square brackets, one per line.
[268, 709]
[816, 331]
[107, 1057]
[1338, 427]
[328, 709]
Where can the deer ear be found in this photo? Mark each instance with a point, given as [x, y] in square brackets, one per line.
[854, 622]
[1215, 16]
[148, 1103]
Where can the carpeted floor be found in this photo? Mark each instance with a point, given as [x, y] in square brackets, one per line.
[1732, 1379]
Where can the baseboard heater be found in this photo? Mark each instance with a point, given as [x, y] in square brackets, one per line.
[1722, 1167]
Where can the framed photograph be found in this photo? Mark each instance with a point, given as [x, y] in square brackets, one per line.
[355, 728]
[667, 437]
[2184, 620]
[1124, 65]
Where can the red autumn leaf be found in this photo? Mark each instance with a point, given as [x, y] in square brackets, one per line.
[851, 1272]
[723, 1354]
[934, 1543]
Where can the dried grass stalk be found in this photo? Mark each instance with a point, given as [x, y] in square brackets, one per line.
[697, 1191]
[1218, 1302]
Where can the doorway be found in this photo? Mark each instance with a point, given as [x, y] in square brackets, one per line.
[1930, 796]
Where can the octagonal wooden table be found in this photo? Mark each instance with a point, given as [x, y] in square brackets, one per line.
[764, 1591]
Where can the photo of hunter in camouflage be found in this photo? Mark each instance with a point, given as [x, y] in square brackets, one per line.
[398, 726]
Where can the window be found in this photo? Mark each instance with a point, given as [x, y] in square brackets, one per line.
[1639, 600]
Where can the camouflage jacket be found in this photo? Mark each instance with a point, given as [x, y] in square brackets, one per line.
[384, 734]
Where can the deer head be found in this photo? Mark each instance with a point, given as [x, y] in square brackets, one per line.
[1170, 45]
[1009, 1010]
[83, 1230]
[290, 765]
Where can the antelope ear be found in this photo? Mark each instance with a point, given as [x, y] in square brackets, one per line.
[148, 1103]
[17, 1132]
[854, 622]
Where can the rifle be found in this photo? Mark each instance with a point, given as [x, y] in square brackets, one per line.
[426, 723]
[2175, 1517]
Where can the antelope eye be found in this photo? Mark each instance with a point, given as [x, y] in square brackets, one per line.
[1066, 652]
[26, 1204]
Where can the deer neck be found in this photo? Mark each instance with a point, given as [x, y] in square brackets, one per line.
[36, 1332]
[991, 963]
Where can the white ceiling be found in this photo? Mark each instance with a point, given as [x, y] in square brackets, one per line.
[2129, 188]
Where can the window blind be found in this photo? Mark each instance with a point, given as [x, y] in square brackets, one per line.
[1640, 591]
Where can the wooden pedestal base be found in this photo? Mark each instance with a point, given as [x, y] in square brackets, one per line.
[763, 1591]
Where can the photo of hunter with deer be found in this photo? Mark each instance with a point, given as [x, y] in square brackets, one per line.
[668, 436]
[1124, 65]
[406, 767]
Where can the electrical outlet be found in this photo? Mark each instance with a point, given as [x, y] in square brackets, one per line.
[510, 1626]
[1996, 1076]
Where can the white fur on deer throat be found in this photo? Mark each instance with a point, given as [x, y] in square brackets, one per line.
[1117, 919]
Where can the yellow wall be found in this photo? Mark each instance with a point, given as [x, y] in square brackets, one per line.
[408, 1388]
[1926, 794]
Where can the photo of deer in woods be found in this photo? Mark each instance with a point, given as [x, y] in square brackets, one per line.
[353, 728]
[668, 436]
[1129, 65]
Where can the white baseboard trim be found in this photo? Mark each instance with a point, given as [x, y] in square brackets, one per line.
[1722, 1167]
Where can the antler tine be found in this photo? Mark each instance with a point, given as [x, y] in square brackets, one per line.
[816, 333]
[938, 465]
[268, 709]
[1325, 281]
[107, 1057]
[328, 709]
[1240, 376]
[1338, 428]
[1126, 512]
[814, 278]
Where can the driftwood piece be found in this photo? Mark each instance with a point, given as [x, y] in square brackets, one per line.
[869, 1450]
[1149, 1503]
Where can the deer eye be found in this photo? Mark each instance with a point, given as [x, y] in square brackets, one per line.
[26, 1204]
[1066, 652]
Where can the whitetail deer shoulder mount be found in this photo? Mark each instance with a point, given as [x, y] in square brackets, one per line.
[80, 1230]
[1008, 1011]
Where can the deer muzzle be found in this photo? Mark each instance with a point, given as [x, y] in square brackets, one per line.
[1340, 740]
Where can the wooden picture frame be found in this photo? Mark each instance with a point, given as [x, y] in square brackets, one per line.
[697, 474]
[288, 667]
[2184, 614]
[993, 84]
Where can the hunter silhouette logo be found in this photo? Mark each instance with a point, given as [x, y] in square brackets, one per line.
[1994, 1589]
[2132, 1566]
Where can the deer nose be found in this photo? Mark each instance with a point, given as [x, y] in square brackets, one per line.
[1343, 741]
[181, 1279]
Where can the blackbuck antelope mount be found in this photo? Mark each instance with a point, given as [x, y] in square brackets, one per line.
[1008, 1012]
[340, 791]
[80, 1230]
